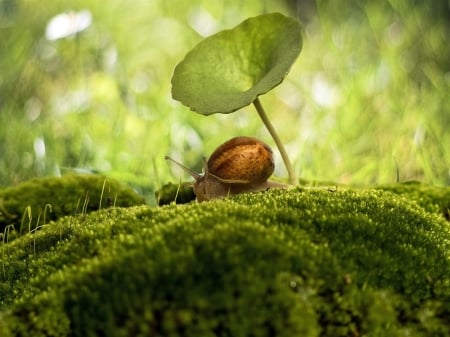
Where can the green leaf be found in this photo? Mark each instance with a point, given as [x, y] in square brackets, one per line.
[230, 69]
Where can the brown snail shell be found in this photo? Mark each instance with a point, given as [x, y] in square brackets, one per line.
[242, 160]
[240, 165]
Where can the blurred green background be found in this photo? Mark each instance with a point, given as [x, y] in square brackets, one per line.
[85, 86]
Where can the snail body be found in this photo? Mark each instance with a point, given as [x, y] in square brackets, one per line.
[240, 165]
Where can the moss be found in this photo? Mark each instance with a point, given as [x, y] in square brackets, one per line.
[178, 193]
[303, 262]
[434, 199]
[28, 204]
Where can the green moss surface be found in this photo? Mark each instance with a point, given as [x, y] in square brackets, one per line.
[311, 261]
[32, 203]
[181, 193]
[434, 199]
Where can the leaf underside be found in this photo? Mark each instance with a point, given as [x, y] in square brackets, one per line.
[230, 69]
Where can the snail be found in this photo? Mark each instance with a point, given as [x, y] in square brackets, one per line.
[240, 165]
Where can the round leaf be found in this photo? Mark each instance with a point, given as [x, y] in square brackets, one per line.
[230, 69]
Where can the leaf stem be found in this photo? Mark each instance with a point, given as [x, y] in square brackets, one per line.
[276, 138]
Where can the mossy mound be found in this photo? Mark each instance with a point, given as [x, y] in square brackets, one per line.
[181, 193]
[433, 199]
[302, 262]
[32, 203]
